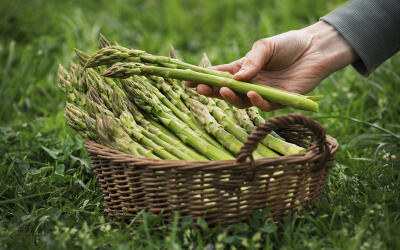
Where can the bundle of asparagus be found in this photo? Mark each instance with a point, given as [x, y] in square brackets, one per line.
[155, 116]
[128, 62]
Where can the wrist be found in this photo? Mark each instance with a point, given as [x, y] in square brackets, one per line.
[336, 51]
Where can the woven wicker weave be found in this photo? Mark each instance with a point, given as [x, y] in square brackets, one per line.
[223, 192]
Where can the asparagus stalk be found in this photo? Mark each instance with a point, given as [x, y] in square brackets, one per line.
[131, 128]
[243, 119]
[120, 103]
[113, 54]
[94, 103]
[225, 107]
[88, 127]
[78, 119]
[101, 87]
[216, 129]
[228, 122]
[75, 120]
[127, 119]
[103, 42]
[148, 123]
[236, 130]
[206, 63]
[255, 116]
[119, 107]
[75, 77]
[113, 135]
[94, 96]
[124, 70]
[164, 134]
[64, 83]
[190, 121]
[62, 77]
[173, 96]
[179, 107]
[270, 141]
[82, 56]
[172, 53]
[149, 103]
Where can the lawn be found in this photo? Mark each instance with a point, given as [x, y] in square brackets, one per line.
[49, 198]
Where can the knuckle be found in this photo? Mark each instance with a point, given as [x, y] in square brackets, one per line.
[260, 43]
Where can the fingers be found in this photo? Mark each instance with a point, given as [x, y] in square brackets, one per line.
[234, 99]
[252, 98]
[258, 101]
[190, 84]
[232, 67]
[209, 91]
[255, 59]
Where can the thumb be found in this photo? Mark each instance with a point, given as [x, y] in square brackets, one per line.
[255, 59]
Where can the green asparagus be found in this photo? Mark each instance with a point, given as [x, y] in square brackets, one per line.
[124, 70]
[149, 103]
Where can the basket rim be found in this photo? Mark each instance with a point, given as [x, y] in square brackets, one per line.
[103, 152]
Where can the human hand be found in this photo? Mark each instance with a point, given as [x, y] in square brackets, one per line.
[296, 61]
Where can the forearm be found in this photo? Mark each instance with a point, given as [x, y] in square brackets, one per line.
[371, 27]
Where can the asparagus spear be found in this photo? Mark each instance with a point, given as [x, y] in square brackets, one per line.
[103, 42]
[236, 130]
[149, 103]
[62, 77]
[131, 128]
[110, 133]
[189, 120]
[82, 56]
[152, 126]
[94, 96]
[113, 135]
[229, 124]
[88, 127]
[206, 63]
[129, 122]
[95, 104]
[123, 70]
[172, 53]
[216, 129]
[121, 103]
[75, 120]
[255, 116]
[118, 107]
[104, 91]
[270, 141]
[243, 119]
[64, 83]
[113, 54]
[173, 96]
[175, 103]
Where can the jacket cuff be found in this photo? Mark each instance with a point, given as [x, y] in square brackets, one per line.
[370, 29]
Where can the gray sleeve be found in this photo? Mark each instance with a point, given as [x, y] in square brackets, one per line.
[371, 27]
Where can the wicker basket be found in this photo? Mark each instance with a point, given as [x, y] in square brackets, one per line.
[223, 192]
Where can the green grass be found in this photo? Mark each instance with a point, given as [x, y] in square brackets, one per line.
[49, 199]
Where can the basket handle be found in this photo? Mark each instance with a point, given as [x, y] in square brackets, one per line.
[283, 121]
[264, 129]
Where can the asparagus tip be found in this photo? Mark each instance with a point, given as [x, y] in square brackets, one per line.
[118, 70]
[103, 41]
[172, 52]
[205, 61]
